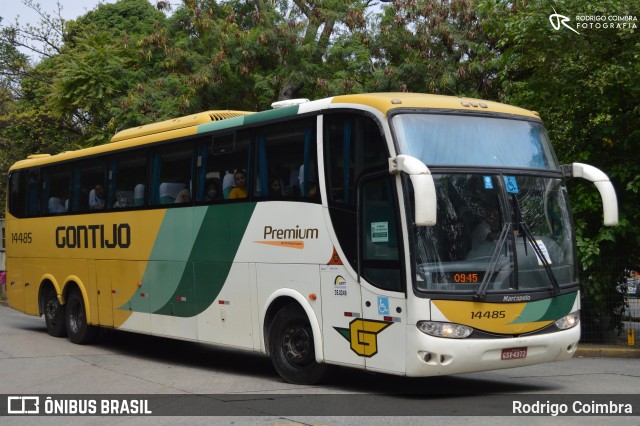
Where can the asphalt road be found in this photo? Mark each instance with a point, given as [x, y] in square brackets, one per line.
[32, 362]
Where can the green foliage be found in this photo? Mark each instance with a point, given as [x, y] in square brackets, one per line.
[434, 47]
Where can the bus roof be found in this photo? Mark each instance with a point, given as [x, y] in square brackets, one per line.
[177, 123]
[385, 102]
[224, 119]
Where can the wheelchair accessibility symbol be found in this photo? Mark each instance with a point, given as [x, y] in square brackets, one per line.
[511, 184]
[383, 305]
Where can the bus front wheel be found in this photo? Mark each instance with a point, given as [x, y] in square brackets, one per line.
[78, 331]
[54, 314]
[292, 349]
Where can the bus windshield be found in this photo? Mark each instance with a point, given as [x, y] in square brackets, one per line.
[447, 139]
[496, 233]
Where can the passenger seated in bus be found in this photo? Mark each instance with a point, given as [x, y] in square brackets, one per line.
[212, 193]
[183, 196]
[240, 190]
[313, 190]
[96, 197]
[123, 200]
[488, 229]
[275, 187]
[310, 187]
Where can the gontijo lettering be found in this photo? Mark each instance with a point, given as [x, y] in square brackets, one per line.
[94, 236]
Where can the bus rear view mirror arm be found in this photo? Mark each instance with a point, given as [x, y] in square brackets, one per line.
[424, 187]
[602, 182]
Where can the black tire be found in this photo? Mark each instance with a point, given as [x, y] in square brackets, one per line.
[291, 347]
[78, 331]
[54, 313]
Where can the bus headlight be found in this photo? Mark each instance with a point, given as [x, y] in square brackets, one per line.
[444, 329]
[568, 321]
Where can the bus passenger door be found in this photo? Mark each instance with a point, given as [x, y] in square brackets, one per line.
[382, 334]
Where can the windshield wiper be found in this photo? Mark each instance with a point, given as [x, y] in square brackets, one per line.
[528, 236]
[481, 292]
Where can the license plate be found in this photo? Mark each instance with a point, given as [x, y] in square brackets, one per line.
[514, 353]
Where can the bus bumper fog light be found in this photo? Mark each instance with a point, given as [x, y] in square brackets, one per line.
[444, 329]
[568, 321]
[425, 356]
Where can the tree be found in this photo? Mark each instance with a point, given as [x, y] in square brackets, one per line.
[434, 47]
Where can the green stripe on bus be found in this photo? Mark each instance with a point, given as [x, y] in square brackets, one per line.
[547, 310]
[168, 258]
[221, 125]
[272, 114]
[258, 117]
[210, 260]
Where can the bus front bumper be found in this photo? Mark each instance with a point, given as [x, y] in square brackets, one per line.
[435, 356]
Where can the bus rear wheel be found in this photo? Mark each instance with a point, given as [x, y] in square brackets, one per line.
[292, 349]
[54, 314]
[78, 331]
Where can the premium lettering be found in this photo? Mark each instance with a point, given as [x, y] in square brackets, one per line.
[94, 236]
[290, 234]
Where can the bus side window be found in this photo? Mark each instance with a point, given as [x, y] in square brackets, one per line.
[286, 165]
[128, 175]
[56, 189]
[220, 157]
[89, 186]
[171, 174]
[17, 200]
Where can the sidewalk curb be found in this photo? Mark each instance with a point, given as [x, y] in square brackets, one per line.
[600, 351]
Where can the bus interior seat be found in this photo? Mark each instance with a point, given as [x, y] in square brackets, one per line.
[168, 191]
[55, 205]
[138, 195]
[228, 183]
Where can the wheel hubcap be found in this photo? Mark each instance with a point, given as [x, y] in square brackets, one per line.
[51, 310]
[298, 345]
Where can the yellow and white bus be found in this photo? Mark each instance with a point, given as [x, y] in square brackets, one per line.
[408, 234]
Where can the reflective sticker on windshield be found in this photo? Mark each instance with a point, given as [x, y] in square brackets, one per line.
[488, 183]
[544, 251]
[511, 184]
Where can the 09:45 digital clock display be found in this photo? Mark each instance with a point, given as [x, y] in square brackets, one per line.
[466, 277]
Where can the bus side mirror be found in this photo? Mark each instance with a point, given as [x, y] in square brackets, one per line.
[602, 182]
[424, 187]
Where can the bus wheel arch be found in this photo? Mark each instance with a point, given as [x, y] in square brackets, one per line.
[76, 316]
[52, 309]
[292, 342]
